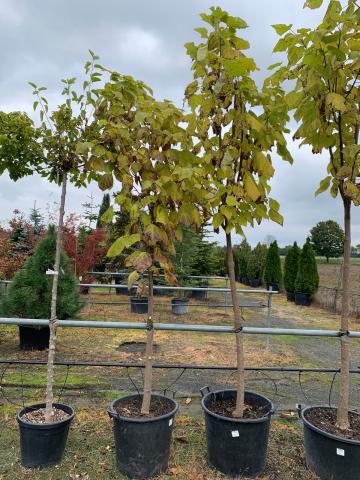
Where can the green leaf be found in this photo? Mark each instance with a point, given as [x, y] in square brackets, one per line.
[240, 66]
[324, 185]
[337, 101]
[276, 217]
[107, 216]
[161, 215]
[281, 45]
[121, 243]
[254, 123]
[231, 201]
[313, 3]
[274, 65]
[217, 220]
[227, 211]
[281, 28]
[202, 53]
[203, 31]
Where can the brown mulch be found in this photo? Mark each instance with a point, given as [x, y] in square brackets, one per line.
[38, 416]
[325, 419]
[226, 407]
[132, 407]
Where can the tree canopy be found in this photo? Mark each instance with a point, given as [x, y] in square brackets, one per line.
[327, 239]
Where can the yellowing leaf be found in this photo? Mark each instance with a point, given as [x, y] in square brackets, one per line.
[141, 261]
[253, 122]
[251, 189]
[231, 201]
[313, 3]
[121, 243]
[337, 101]
[132, 278]
[107, 216]
[161, 215]
[276, 217]
[217, 220]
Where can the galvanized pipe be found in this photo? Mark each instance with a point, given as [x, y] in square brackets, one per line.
[179, 327]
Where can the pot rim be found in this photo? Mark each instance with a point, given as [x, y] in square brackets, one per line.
[322, 432]
[180, 300]
[44, 426]
[139, 299]
[114, 414]
[238, 420]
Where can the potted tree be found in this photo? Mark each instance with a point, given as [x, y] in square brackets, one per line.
[272, 273]
[236, 128]
[256, 264]
[325, 98]
[29, 294]
[307, 278]
[44, 426]
[144, 146]
[290, 271]
[140, 301]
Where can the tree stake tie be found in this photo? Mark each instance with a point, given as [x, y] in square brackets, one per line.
[238, 329]
[343, 333]
[51, 272]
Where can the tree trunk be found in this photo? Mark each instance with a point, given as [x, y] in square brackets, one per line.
[149, 353]
[49, 412]
[240, 372]
[342, 420]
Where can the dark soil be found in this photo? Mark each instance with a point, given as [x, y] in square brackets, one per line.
[325, 419]
[38, 416]
[132, 407]
[226, 407]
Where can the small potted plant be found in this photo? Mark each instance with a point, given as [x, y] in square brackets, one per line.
[140, 302]
[272, 274]
[307, 278]
[290, 271]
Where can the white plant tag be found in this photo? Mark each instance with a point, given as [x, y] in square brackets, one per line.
[170, 422]
[341, 452]
[51, 272]
[235, 433]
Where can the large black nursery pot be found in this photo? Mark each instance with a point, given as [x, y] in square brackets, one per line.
[43, 445]
[275, 286]
[290, 296]
[303, 299]
[179, 305]
[142, 444]
[327, 455]
[199, 294]
[237, 446]
[244, 280]
[139, 304]
[254, 282]
[33, 338]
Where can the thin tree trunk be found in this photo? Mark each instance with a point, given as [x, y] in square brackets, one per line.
[342, 420]
[240, 372]
[49, 412]
[149, 352]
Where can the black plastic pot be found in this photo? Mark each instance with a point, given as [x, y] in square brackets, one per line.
[179, 305]
[303, 299]
[237, 446]
[142, 444]
[118, 281]
[245, 281]
[290, 296]
[199, 294]
[254, 282]
[329, 456]
[275, 286]
[139, 305]
[32, 338]
[43, 445]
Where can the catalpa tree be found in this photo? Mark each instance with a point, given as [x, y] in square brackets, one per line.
[145, 148]
[237, 127]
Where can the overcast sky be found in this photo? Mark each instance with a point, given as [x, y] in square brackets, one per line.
[46, 40]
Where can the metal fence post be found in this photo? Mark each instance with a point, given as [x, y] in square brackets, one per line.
[268, 320]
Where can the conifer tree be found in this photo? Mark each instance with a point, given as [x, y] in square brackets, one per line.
[273, 266]
[307, 279]
[291, 267]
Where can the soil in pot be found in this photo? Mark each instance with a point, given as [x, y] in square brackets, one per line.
[142, 443]
[331, 453]
[43, 444]
[237, 446]
[325, 419]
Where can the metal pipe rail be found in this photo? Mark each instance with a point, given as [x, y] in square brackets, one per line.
[122, 272]
[76, 363]
[180, 327]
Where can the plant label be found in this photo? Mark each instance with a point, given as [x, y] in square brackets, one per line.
[235, 433]
[170, 422]
[341, 452]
